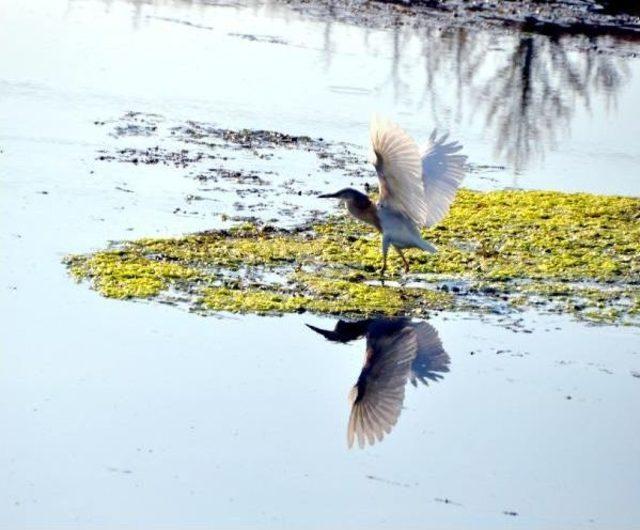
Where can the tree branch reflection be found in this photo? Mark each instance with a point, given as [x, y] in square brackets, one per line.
[525, 88]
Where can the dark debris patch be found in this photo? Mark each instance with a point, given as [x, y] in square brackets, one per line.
[446, 500]
[239, 176]
[155, 155]
[555, 18]
[270, 39]
[273, 172]
[215, 143]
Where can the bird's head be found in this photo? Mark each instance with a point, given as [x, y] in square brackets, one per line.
[344, 194]
[348, 195]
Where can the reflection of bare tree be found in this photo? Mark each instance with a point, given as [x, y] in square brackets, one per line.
[459, 52]
[525, 87]
[398, 42]
[523, 109]
[327, 40]
[532, 97]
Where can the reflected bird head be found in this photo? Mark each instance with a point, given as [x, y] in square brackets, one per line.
[344, 331]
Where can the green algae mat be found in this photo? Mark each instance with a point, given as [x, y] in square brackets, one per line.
[498, 251]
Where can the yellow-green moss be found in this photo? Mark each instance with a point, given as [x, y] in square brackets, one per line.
[574, 253]
[128, 274]
[520, 234]
[252, 301]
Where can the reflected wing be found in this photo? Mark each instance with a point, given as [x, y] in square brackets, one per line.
[442, 172]
[397, 161]
[431, 360]
[379, 393]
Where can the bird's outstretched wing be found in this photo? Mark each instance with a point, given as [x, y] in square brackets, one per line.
[396, 158]
[442, 172]
[378, 395]
[431, 359]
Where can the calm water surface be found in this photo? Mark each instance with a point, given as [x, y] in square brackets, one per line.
[137, 415]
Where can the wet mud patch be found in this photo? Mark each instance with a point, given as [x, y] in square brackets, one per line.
[272, 172]
[499, 252]
[200, 141]
[556, 18]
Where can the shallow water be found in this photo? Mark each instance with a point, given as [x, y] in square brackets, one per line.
[147, 416]
[139, 415]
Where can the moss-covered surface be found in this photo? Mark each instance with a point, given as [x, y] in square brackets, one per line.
[573, 253]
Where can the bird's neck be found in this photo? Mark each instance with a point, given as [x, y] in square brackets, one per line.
[366, 212]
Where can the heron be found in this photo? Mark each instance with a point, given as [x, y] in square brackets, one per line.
[398, 350]
[416, 187]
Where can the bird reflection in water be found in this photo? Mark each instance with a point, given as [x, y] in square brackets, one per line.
[397, 351]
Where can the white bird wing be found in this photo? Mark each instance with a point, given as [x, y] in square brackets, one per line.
[396, 158]
[431, 358]
[442, 172]
[378, 396]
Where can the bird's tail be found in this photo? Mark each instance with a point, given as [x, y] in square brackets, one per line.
[427, 247]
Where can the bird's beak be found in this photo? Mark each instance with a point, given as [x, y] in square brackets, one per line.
[328, 334]
[328, 196]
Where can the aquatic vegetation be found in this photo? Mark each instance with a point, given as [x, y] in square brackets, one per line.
[128, 274]
[570, 253]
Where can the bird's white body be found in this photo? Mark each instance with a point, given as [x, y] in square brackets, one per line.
[400, 231]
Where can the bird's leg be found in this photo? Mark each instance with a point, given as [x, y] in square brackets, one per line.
[406, 263]
[385, 251]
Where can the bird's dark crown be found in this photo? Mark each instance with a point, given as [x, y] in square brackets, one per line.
[359, 199]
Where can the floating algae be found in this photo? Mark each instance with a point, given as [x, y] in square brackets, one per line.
[567, 253]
